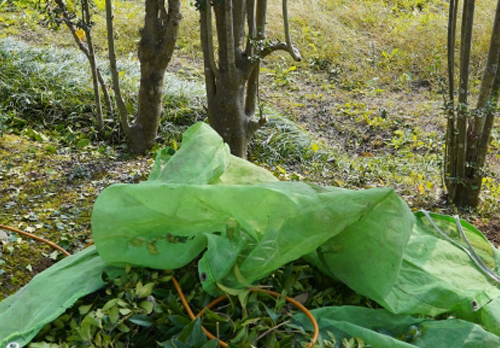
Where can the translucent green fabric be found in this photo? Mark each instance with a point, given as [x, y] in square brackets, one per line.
[246, 224]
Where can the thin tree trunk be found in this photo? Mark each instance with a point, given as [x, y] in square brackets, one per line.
[450, 163]
[484, 118]
[93, 64]
[211, 70]
[159, 35]
[89, 53]
[114, 71]
[232, 86]
[464, 192]
[461, 145]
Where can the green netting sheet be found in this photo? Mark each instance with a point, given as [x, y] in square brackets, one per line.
[239, 217]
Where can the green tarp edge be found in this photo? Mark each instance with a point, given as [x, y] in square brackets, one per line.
[50, 293]
[381, 329]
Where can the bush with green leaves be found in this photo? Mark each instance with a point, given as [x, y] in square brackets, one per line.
[141, 308]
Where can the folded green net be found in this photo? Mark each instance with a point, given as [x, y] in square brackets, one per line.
[245, 224]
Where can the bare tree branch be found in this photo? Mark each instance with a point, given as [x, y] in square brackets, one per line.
[239, 24]
[231, 60]
[461, 146]
[491, 69]
[280, 46]
[496, 84]
[104, 89]
[114, 71]
[450, 163]
[292, 50]
[252, 30]
[93, 64]
[260, 19]
[172, 33]
[252, 91]
[86, 50]
[490, 74]
[209, 38]
[260, 31]
[71, 26]
[208, 55]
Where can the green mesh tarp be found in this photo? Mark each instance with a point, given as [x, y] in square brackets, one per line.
[246, 224]
[381, 329]
[50, 293]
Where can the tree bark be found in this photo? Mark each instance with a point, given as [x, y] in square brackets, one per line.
[450, 163]
[158, 38]
[227, 115]
[232, 85]
[480, 133]
[156, 48]
[468, 136]
[122, 109]
[88, 50]
[86, 19]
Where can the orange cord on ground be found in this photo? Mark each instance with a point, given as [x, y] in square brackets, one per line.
[32, 236]
[224, 297]
[191, 314]
[183, 298]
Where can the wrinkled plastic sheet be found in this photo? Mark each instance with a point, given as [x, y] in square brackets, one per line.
[381, 329]
[50, 293]
[246, 224]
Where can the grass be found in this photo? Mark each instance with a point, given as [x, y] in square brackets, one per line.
[361, 110]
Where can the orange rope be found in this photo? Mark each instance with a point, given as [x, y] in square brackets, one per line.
[183, 298]
[224, 297]
[191, 314]
[32, 236]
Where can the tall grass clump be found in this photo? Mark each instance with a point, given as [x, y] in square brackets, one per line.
[42, 86]
[283, 141]
[51, 88]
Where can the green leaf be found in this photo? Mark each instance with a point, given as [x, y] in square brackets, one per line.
[214, 317]
[243, 297]
[173, 305]
[114, 314]
[211, 344]
[173, 344]
[272, 314]
[166, 278]
[111, 303]
[147, 306]
[241, 336]
[179, 321]
[84, 309]
[83, 143]
[143, 291]
[141, 320]
[88, 328]
[125, 311]
[230, 291]
[240, 277]
[193, 334]
[123, 328]
[50, 148]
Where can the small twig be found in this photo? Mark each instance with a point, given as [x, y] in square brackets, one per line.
[271, 330]
[292, 50]
[218, 334]
[469, 251]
